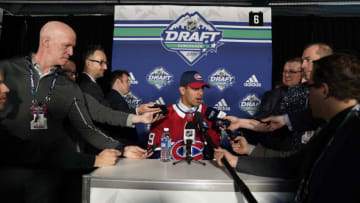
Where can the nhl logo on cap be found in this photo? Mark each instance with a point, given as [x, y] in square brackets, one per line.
[197, 76]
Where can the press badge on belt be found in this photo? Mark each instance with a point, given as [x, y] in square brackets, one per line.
[38, 116]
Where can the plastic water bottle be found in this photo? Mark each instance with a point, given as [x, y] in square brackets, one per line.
[165, 145]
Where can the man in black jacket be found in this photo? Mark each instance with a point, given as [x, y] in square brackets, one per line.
[325, 169]
[95, 64]
[302, 120]
[120, 88]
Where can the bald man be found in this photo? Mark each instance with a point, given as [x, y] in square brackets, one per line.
[42, 98]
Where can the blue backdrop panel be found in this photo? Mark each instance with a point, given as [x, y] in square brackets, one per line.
[156, 44]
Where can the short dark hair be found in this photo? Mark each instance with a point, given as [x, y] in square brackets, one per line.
[91, 49]
[324, 49]
[295, 59]
[341, 72]
[118, 74]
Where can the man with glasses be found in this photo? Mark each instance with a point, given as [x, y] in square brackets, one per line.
[301, 121]
[95, 64]
[290, 97]
[325, 170]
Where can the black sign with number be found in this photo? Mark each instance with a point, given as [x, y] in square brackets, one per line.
[256, 19]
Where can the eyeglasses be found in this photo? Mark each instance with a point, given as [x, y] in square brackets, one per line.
[291, 71]
[101, 62]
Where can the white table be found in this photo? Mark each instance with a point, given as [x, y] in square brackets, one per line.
[153, 181]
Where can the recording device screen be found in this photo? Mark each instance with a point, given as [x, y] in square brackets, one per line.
[163, 108]
[151, 149]
[222, 123]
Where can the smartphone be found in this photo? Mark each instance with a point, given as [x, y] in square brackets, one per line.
[163, 108]
[151, 149]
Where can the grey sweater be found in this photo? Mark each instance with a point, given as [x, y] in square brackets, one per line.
[67, 101]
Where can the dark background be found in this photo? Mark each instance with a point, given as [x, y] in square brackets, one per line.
[293, 27]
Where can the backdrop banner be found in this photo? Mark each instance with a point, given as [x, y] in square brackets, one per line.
[229, 46]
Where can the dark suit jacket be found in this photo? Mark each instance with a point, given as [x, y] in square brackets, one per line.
[270, 102]
[276, 102]
[329, 157]
[93, 89]
[118, 102]
[303, 120]
[123, 134]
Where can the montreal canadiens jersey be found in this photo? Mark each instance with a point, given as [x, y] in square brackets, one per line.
[176, 121]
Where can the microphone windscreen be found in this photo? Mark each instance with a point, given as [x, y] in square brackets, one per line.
[198, 118]
[213, 114]
[190, 125]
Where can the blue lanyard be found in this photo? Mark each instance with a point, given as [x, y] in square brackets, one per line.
[33, 89]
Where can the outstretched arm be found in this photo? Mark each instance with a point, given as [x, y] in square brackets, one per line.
[246, 123]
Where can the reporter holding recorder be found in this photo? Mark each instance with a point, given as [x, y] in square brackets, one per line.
[38, 113]
[324, 169]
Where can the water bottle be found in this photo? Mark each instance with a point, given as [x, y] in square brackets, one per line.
[165, 145]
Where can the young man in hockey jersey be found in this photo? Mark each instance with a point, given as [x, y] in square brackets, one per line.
[192, 92]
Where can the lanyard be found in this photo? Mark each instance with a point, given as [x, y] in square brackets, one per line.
[33, 89]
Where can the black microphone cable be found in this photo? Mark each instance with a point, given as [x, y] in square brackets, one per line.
[241, 186]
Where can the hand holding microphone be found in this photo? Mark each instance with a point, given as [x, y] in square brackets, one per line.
[240, 145]
[223, 159]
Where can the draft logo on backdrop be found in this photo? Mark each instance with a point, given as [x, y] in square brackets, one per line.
[250, 104]
[132, 100]
[132, 79]
[222, 79]
[191, 37]
[159, 77]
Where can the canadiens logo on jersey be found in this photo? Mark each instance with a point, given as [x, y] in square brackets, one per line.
[178, 151]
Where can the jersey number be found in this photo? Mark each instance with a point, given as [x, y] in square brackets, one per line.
[151, 139]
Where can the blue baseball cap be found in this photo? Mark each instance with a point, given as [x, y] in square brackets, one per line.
[192, 79]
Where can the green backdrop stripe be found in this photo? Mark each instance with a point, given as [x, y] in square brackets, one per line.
[227, 33]
[247, 34]
[137, 32]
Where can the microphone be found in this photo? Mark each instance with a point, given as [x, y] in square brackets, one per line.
[216, 117]
[189, 139]
[203, 127]
[213, 114]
